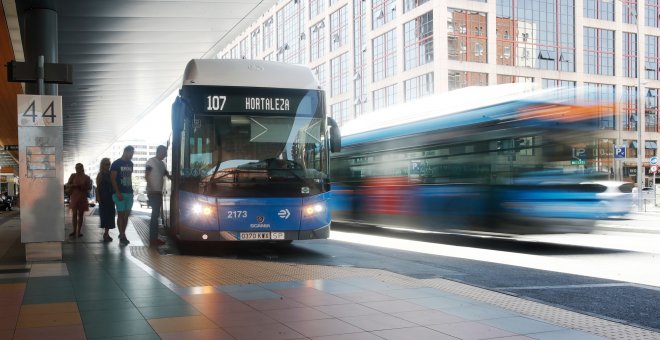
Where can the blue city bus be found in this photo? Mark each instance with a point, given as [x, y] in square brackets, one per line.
[250, 153]
[485, 159]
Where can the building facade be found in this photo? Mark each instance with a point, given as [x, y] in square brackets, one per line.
[372, 54]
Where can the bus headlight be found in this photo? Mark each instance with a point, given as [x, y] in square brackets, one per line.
[202, 209]
[313, 209]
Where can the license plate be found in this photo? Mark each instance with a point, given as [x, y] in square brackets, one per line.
[262, 235]
[265, 235]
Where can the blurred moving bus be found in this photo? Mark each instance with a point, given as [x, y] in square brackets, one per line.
[491, 160]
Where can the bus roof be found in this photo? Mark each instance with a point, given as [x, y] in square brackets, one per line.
[477, 105]
[248, 73]
[465, 99]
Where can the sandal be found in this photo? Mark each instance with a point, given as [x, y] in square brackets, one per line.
[80, 235]
[73, 234]
[107, 238]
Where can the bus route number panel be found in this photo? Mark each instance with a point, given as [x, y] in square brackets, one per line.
[262, 235]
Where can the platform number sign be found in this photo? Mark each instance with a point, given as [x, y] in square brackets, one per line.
[39, 110]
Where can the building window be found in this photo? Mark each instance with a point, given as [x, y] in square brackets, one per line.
[567, 93]
[245, 49]
[507, 79]
[461, 79]
[316, 7]
[412, 4]
[339, 75]
[339, 112]
[317, 41]
[653, 13]
[466, 35]
[338, 28]
[384, 97]
[599, 9]
[532, 36]
[384, 55]
[290, 36]
[268, 33]
[255, 42]
[360, 62]
[651, 108]
[598, 51]
[631, 148]
[418, 41]
[629, 54]
[319, 71]
[382, 12]
[629, 109]
[554, 83]
[652, 62]
[629, 11]
[602, 95]
[650, 147]
[606, 155]
[418, 87]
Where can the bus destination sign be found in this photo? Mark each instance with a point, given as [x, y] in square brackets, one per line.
[249, 104]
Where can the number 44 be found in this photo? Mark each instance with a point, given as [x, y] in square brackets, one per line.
[49, 112]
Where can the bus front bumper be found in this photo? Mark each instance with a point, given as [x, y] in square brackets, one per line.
[251, 235]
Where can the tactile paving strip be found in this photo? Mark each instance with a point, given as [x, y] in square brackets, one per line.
[554, 315]
[187, 271]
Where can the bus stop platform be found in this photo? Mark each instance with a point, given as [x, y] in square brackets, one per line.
[107, 291]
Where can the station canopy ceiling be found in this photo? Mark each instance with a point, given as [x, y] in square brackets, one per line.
[127, 57]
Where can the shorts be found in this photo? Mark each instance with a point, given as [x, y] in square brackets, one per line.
[126, 204]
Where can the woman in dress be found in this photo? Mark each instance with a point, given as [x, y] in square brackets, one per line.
[104, 198]
[78, 186]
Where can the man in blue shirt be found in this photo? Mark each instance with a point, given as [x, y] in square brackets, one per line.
[121, 173]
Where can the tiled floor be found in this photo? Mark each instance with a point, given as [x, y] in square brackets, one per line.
[100, 292]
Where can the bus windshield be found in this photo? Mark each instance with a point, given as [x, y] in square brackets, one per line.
[244, 149]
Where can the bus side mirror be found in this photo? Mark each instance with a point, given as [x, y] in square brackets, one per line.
[178, 109]
[335, 136]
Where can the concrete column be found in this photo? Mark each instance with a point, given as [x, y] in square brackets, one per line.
[40, 38]
[42, 214]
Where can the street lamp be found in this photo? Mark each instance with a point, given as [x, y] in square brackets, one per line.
[640, 113]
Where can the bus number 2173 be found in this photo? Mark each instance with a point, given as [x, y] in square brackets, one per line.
[215, 103]
[236, 214]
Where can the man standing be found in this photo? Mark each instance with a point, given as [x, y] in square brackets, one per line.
[121, 172]
[154, 172]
